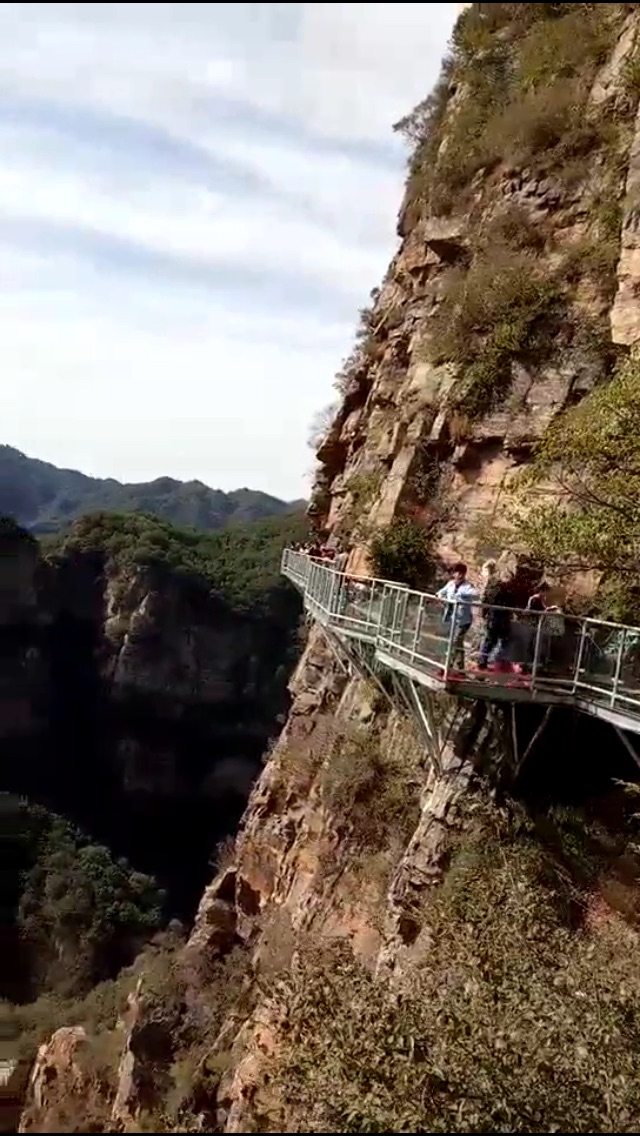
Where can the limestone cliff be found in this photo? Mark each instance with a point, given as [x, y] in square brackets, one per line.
[513, 286]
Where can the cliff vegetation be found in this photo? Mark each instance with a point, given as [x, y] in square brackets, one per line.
[428, 919]
[241, 564]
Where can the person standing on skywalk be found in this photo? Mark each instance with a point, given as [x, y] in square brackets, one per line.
[459, 596]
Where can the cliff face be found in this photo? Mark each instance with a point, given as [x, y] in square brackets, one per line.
[135, 693]
[514, 283]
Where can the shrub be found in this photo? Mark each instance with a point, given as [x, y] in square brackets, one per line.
[510, 1021]
[374, 793]
[402, 552]
[320, 425]
[589, 463]
[490, 316]
[82, 915]
[241, 563]
[525, 72]
[512, 227]
[564, 48]
[363, 486]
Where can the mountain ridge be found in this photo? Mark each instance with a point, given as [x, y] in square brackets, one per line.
[44, 497]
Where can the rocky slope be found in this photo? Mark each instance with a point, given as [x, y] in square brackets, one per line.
[512, 290]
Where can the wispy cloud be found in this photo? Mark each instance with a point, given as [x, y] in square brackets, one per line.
[195, 200]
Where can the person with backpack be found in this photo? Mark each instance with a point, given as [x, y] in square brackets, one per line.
[496, 600]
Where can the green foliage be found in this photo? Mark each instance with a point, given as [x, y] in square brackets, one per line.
[402, 552]
[373, 792]
[493, 314]
[524, 73]
[561, 48]
[44, 498]
[363, 487]
[589, 463]
[510, 1021]
[240, 563]
[82, 914]
[596, 257]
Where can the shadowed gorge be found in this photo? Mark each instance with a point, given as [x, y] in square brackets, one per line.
[137, 699]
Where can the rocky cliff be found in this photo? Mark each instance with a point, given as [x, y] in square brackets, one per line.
[137, 702]
[424, 949]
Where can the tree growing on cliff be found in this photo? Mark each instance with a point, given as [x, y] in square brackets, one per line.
[584, 486]
[402, 551]
[82, 914]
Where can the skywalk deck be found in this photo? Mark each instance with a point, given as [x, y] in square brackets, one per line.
[593, 665]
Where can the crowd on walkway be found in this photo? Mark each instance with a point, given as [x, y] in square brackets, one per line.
[319, 551]
[510, 609]
[519, 628]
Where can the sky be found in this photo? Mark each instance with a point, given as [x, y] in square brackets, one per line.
[195, 202]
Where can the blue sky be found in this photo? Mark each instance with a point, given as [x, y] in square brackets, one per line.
[195, 201]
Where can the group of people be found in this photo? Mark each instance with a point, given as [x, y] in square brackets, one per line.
[323, 552]
[509, 634]
[509, 638]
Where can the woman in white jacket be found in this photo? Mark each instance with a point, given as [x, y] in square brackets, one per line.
[459, 596]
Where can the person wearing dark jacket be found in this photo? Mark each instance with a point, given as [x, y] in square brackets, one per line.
[496, 599]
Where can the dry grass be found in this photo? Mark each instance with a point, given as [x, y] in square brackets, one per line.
[525, 72]
[491, 315]
[511, 1022]
[224, 855]
[372, 793]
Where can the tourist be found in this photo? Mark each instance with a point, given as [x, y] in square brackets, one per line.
[538, 645]
[459, 596]
[496, 600]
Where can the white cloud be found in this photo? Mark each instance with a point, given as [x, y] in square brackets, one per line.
[195, 200]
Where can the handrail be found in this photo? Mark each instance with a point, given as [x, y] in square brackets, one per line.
[408, 626]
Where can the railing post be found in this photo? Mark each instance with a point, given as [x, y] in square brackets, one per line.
[383, 621]
[536, 650]
[322, 588]
[616, 673]
[404, 605]
[452, 629]
[578, 666]
[332, 594]
[370, 603]
[416, 635]
[381, 609]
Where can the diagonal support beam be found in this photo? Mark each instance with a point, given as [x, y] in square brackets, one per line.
[627, 745]
[433, 743]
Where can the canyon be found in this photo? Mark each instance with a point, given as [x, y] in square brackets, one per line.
[405, 939]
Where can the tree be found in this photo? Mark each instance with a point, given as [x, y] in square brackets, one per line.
[83, 914]
[587, 472]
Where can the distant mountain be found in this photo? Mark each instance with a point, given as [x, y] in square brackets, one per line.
[43, 498]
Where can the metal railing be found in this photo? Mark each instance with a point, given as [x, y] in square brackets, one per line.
[571, 657]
